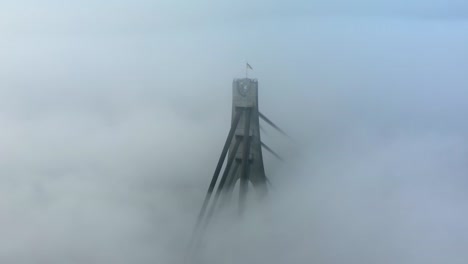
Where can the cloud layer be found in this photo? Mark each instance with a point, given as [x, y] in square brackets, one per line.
[113, 117]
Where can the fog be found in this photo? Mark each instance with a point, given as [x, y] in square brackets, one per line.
[113, 116]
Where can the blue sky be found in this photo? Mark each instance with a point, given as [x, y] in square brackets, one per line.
[151, 16]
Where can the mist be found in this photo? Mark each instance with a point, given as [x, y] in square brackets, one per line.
[113, 116]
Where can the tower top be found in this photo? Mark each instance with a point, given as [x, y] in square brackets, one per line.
[244, 79]
[245, 93]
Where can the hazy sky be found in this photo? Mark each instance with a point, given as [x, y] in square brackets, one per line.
[113, 114]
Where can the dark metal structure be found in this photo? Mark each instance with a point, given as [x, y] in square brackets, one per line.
[243, 149]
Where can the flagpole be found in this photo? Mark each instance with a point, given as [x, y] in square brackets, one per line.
[247, 67]
[246, 70]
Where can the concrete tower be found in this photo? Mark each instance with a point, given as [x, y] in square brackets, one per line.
[245, 98]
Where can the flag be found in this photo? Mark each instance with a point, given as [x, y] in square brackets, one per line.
[248, 66]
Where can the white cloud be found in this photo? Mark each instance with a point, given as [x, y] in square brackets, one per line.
[109, 138]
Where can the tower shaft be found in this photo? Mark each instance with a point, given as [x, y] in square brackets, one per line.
[245, 96]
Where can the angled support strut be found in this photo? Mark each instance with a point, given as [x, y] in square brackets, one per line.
[223, 181]
[218, 167]
[273, 124]
[272, 151]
